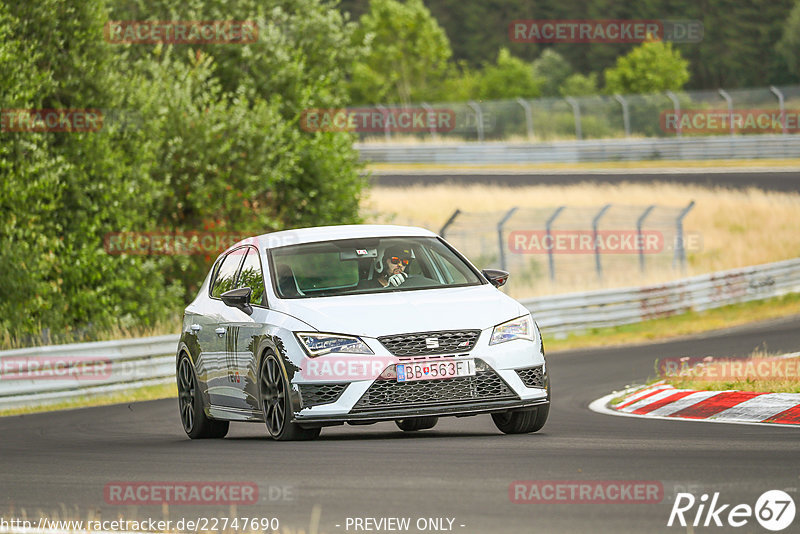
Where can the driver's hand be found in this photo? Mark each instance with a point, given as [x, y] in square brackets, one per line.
[397, 279]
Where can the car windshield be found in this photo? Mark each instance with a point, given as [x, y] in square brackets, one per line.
[372, 265]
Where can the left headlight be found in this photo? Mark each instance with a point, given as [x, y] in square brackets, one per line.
[519, 328]
[317, 344]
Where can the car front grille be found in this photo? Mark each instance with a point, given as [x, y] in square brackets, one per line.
[485, 385]
[532, 377]
[316, 394]
[424, 343]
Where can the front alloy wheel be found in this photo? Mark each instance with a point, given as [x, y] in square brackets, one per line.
[195, 422]
[275, 404]
[522, 421]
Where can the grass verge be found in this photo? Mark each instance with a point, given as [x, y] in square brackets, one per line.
[164, 391]
[679, 325]
[760, 372]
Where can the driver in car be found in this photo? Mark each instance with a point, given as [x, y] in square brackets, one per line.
[395, 262]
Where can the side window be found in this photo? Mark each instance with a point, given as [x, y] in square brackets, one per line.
[225, 278]
[252, 276]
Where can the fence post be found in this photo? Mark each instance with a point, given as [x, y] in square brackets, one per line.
[576, 111]
[639, 223]
[724, 94]
[548, 225]
[626, 119]
[781, 105]
[449, 222]
[676, 105]
[597, 264]
[528, 116]
[500, 242]
[478, 118]
[385, 113]
[680, 252]
[430, 111]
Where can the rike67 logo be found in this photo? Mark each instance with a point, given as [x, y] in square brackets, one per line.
[774, 510]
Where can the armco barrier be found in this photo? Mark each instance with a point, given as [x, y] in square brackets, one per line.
[138, 362]
[560, 314]
[129, 364]
[602, 150]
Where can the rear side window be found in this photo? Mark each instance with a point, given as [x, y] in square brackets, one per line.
[252, 276]
[225, 278]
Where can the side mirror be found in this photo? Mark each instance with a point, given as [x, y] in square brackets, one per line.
[238, 298]
[496, 277]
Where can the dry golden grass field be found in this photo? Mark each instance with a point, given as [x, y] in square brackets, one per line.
[738, 228]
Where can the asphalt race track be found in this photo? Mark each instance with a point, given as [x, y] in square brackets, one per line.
[788, 180]
[59, 463]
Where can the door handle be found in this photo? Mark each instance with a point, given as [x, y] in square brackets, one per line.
[220, 331]
[196, 327]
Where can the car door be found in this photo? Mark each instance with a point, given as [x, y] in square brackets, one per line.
[212, 333]
[242, 335]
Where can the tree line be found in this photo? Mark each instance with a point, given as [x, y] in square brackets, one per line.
[465, 50]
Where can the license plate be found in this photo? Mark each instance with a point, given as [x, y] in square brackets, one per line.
[434, 370]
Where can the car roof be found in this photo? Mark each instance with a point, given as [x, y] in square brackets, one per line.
[332, 233]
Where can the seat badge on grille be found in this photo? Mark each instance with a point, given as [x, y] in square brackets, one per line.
[463, 344]
[432, 342]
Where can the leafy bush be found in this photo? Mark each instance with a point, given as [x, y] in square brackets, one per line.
[195, 137]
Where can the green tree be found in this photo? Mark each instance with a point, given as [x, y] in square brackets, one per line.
[510, 77]
[553, 70]
[408, 54]
[651, 67]
[579, 85]
[61, 192]
[232, 156]
[789, 45]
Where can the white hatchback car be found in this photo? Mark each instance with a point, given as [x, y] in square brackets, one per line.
[308, 328]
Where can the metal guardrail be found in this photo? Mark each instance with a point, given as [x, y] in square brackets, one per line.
[108, 366]
[58, 373]
[560, 314]
[603, 150]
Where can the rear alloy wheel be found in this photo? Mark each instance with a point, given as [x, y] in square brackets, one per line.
[416, 423]
[275, 405]
[522, 421]
[196, 423]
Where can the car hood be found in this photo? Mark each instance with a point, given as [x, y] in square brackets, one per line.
[374, 315]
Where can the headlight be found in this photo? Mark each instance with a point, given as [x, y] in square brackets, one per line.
[519, 328]
[319, 344]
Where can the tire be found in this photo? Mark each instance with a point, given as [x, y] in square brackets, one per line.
[522, 421]
[416, 423]
[273, 388]
[196, 423]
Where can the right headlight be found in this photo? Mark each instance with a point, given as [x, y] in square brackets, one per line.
[519, 328]
[318, 344]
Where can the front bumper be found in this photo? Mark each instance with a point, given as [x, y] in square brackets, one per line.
[442, 410]
[509, 376]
